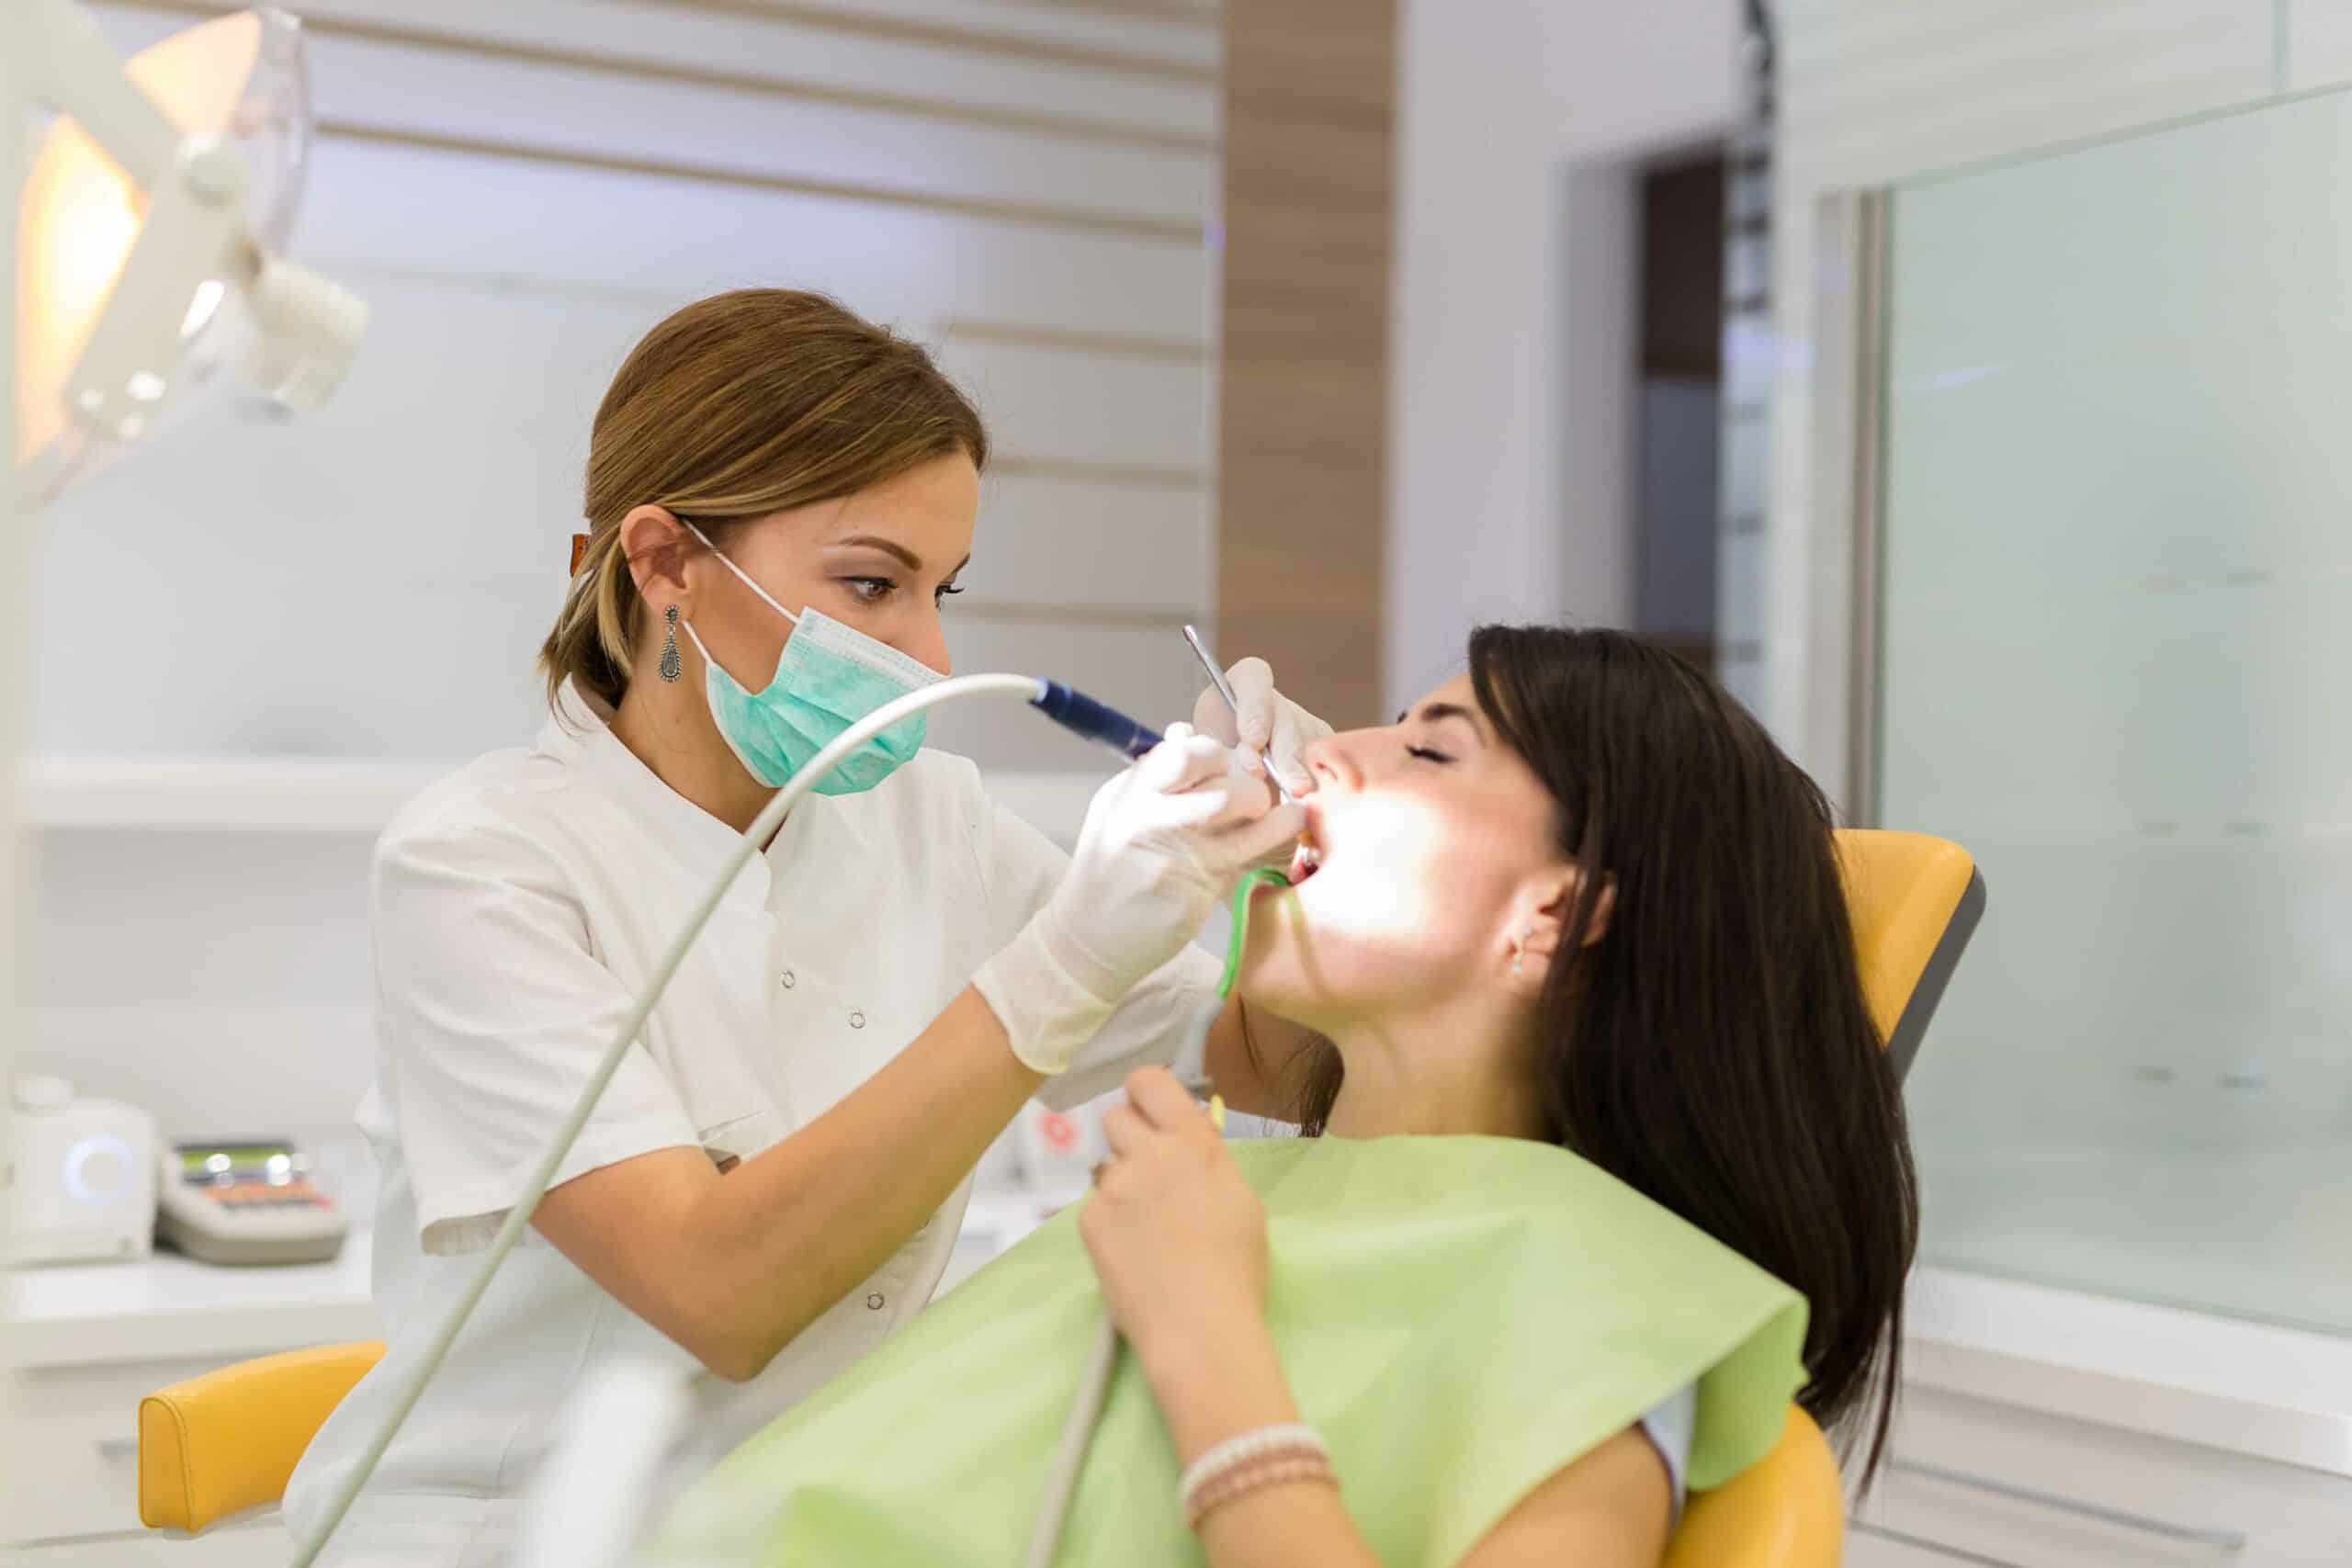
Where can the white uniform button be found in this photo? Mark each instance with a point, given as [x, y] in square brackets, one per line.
[789, 981]
[857, 1020]
[874, 1303]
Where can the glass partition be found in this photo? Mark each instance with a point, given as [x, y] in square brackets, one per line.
[2115, 569]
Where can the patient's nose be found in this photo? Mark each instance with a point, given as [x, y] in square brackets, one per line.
[1334, 762]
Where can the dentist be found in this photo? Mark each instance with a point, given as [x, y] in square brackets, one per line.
[780, 497]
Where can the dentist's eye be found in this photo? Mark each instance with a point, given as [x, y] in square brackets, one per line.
[1427, 755]
[946, 592]
[871, 590]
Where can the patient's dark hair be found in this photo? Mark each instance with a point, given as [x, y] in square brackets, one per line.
[1712, 1049]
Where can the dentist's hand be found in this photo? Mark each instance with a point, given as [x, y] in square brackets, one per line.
[1164, 843]
[1270, 724]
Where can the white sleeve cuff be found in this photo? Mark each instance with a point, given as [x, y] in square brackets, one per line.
[1047, 1015]
[1146, 1029]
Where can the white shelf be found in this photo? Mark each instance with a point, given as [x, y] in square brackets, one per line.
[305, 794]
[2254, 1388]
[168, 1307]
[222, 794]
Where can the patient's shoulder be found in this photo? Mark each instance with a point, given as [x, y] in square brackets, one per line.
[1610, 1508]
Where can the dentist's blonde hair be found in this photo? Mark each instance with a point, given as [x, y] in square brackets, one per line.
[738, 406]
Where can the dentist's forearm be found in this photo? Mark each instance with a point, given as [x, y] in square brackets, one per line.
[797, 1227]
[733, 1268]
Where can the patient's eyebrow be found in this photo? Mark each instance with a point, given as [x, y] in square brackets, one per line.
[1434, 713]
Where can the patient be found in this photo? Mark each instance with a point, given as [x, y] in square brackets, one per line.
[1602, 1163]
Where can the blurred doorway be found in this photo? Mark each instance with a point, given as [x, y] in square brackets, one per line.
[1678, 403]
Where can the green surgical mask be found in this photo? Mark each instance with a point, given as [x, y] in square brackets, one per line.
[827, 677]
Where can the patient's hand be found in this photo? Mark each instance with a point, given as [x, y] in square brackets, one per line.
[1176, 1236]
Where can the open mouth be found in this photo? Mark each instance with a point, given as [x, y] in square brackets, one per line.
[1308, 860]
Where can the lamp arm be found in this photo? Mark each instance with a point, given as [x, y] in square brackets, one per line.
[76, 72]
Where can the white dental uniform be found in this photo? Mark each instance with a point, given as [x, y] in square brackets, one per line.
[518, 905]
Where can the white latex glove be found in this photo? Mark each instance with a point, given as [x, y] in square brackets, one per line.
[1164, 843]
[1269, 726]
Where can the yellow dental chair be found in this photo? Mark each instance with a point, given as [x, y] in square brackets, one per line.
[225, 1443]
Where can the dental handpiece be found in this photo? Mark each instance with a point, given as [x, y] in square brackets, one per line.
[1232, 702]
[1090, 720]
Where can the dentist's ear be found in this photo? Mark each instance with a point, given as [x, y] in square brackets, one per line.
[654, 543]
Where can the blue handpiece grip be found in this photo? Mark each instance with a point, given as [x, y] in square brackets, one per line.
[1082, 716]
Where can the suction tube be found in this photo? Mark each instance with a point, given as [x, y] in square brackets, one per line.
[1102, 1361]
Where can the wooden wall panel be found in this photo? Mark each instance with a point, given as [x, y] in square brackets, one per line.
[1309, 95]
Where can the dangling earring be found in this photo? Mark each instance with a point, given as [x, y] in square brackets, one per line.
[671, 663]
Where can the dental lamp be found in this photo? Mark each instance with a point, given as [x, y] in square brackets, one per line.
[151, 218]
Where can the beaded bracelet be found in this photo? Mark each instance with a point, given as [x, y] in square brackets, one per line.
[1251, 1475]
[1267, 1457]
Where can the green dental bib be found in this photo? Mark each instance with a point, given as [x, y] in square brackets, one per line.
[1461, 1317]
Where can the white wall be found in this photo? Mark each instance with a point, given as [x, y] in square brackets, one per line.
[520, 191]
[1872, 93]
[1496, 383]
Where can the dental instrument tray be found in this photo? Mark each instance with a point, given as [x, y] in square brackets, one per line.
[246, 1201]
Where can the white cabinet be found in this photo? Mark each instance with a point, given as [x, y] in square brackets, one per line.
[1975, 1482]
[89, 1342]
[1892, 1549]
[2047, 1428]
[69, 1477]
[248, 1546]
[72, 1465]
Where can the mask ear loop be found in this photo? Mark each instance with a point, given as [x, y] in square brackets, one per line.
[740, 574]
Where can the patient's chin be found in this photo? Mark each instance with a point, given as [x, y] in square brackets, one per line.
[1313, 987]
[1279, 1001]
[1298, 943]
[1276, 983]
[1318, 962]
